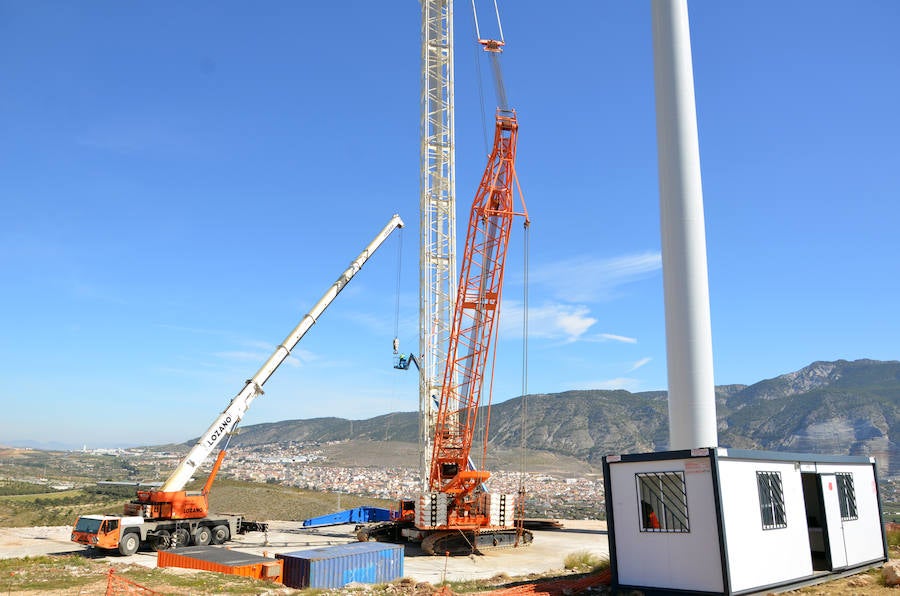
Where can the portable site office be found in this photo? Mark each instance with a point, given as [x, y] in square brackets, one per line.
[728, 521]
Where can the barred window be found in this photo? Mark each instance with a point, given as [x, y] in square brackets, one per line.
[771, 500]
[663, 500]
[846, 496]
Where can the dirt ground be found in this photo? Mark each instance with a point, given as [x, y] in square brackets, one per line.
[546, 553]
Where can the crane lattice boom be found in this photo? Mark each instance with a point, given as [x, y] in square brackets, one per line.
[475, 316]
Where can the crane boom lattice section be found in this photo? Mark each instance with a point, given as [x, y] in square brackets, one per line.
[476, 312]
[437, 257]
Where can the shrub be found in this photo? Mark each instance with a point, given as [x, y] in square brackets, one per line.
[583, 560]
[893, 538]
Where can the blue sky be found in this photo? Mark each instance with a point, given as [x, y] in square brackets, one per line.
[181, 183]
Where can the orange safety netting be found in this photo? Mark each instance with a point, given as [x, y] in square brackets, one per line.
[559, 587]
[120, 586]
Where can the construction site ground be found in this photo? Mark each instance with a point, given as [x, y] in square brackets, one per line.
[544, 557]
[546, 553]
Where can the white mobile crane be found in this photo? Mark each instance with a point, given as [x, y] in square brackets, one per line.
[171, 516]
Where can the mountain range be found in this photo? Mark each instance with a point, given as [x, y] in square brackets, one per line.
[839, 408]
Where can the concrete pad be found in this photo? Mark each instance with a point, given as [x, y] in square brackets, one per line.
[546, 553]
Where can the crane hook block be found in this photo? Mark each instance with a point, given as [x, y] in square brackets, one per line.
[492, 45]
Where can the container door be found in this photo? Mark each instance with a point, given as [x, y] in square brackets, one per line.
[834, 527]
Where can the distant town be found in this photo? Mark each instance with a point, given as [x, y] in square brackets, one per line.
[306, 466]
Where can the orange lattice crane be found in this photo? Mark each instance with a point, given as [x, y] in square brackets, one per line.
[474, 324]
[458, 515]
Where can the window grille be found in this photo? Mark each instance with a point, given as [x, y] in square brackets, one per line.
[771, 500]
[663, 502]
[846, 496]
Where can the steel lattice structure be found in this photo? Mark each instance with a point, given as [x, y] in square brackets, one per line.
[437, 208]
[476, 311]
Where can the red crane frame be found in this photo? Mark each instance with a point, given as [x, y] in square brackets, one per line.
[474, 327]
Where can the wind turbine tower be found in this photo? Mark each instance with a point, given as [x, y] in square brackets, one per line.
[692, 401]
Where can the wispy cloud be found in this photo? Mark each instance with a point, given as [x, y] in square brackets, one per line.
[555, 321]
[194, 330]
[241, 356]
[619, 338]
[374, 323]
[589, 279]
[298, 356]
[639, 364]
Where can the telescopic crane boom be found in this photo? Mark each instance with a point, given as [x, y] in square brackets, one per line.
[253, 388]
[172, 516]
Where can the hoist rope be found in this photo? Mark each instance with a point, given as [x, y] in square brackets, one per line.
[522, 431]
[499, 26]
[397, 289]
[496, 12]
[475, 16]
[478, 52]
[495, 66]
[390, 417]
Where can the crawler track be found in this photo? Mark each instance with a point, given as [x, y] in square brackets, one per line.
[464, 543]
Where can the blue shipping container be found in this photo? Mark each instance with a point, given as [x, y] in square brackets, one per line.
[337, 566]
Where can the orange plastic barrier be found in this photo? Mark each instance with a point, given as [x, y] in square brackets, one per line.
[119, 586]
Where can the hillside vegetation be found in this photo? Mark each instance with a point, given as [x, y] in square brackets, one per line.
[842, 407]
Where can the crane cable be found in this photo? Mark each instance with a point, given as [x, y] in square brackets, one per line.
[396, 342]
[397, 291]
[520, 517]
[481, 102]
[499, 25]
[500, 89]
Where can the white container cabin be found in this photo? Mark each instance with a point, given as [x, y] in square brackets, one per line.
[729, 521]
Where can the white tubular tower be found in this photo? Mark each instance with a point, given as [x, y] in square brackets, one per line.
[227, 420]
[692, 406]
[437, 209]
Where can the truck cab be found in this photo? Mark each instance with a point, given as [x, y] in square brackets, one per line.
[101, 531]
[105, 531]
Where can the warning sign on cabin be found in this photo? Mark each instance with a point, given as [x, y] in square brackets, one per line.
[695, 466]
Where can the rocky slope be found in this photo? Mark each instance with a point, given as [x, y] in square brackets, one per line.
[840, 407]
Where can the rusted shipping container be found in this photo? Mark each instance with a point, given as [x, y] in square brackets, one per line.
[337, 566]
[222, 560]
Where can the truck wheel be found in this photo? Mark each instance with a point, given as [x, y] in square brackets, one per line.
[161, 541]
[129, 544]
[180, 537]
[202, 536]
[220, 534]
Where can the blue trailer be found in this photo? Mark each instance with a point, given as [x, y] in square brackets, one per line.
[359, 515]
